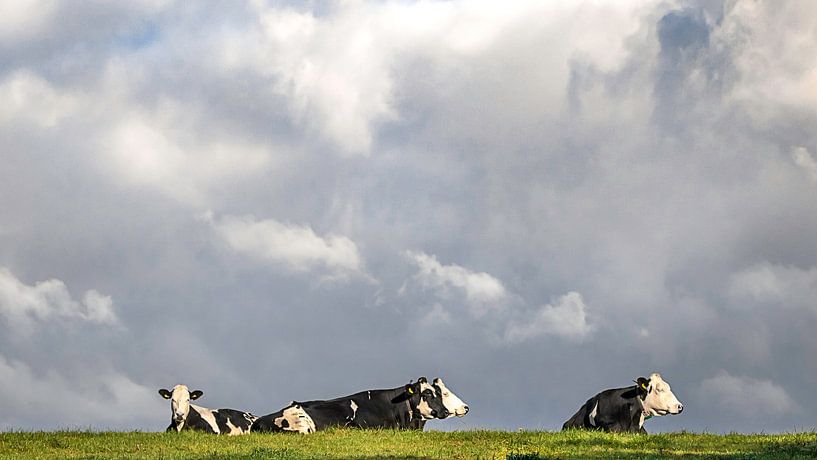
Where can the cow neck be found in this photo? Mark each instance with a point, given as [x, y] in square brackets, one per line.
[413, 410]
[177, 426]
[409, 408]
[644, 411]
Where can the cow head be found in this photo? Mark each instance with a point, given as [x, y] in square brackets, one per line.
[453, 404]
[657, 396]
[425, 400]
[180, 397]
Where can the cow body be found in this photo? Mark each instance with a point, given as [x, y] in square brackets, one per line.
[626, 409]
[186, 416]
[391, 408]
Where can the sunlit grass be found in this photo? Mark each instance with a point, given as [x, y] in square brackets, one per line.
[524, 445]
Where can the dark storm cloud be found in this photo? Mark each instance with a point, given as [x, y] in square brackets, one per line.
[278, 203]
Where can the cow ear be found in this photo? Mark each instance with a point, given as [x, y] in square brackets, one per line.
[196, 394]
[422, 380]
[165, 394]
[406, 395]
[643, 385]
[438, 381]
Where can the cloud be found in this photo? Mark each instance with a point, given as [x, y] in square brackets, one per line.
[803, 158]
[490, 303]
[566, 319]
[102, 399]
[752, 34]
[157, 149]
[746, 396]
[30, 98]
[25, 19]
[775, 285]
[333, 71]
[295, 247]
[24, 305]
[575, 174]
[483, 291]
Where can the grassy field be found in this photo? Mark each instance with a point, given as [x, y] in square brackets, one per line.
[336, 444]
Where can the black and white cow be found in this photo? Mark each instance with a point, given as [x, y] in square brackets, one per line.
[626, 409]
[186, 416]
[453, 404]
[392, 408]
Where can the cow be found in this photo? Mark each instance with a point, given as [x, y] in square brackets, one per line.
[186, 416]
[453, 404]
[390, 408]
[626, 409]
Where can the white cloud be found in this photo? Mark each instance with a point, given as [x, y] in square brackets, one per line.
[778, 38]
[29, 97]
[567, 319]
[103, 400]
[332, 70]
[485, 294]
[746, 396]
[483, 291]
[767, 283]
[23, 305]
[25, 18]
[296, 247]
[803, 158]
[159, 149]
[338, 71]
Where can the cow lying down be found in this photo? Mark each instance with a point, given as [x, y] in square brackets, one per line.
[397, 408]
[626, 409]
[186, 416]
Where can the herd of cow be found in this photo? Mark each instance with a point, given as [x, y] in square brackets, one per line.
[410, 406]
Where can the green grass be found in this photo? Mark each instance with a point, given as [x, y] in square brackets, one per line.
[336, 444]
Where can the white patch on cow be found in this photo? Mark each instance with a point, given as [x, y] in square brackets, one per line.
[660, 400]
[297, 420]
[354, 409]
[593, 413]
[423, 407]
[208, 416]
[455, 406]
[234, 430]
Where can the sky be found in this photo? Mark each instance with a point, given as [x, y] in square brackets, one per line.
[533, 200]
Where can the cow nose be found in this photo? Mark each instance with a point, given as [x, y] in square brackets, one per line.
[466, 410]
[680, 408]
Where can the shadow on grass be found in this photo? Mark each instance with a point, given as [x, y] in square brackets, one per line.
[290, 454]
[794, 449]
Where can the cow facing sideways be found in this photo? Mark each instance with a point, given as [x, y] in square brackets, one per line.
[391, 408]
[626, 409]
[186, 416]
[453, 404]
